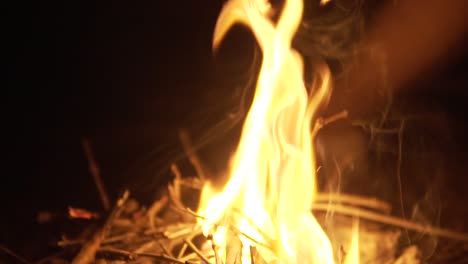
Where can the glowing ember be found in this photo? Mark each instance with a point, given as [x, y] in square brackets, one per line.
[272, 173]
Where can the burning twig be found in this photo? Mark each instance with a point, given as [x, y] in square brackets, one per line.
[197, 251]
[391, 220]
[371, 203]
[264, 235]
[237, 231]
[95, 172]
[233, 228]
[215, 251]
[89, 249]
[255, 256]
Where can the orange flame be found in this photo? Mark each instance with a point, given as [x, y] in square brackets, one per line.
[272, 173]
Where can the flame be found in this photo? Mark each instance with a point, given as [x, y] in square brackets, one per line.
[353, 256]
[272, 174]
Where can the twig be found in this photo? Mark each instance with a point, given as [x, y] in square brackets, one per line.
[237, 231]
[118, 238]
[132, 255]
[48, 259]
[109, 240]
[391, 220]
[176, 182]
[252, 254]
[154, 210]
[13, 254]
[186, 258]
[233, 228]
[192, 156]
[198, 252]
[161, 257]
[255, 226]
[182, 251]
[128, 255]
[95, 172]
[164, 249]
[325, 121]
[173, 196]
[215, 252]
[89, 249]
[189, 211]
[145, 246]
[372, 203]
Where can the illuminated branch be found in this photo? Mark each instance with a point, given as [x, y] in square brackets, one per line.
[371, 203]
[390, 220]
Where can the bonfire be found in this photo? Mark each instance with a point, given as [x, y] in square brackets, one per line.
[271, 209]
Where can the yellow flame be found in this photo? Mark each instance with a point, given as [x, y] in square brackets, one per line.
[272, 174]
[352, 257]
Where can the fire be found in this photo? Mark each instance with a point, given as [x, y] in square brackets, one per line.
[272, 174]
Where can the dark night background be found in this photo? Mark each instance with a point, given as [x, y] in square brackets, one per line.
[127, 75]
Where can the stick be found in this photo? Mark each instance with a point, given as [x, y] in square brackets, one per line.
[133, 256]
[187, 257]
[89, 249]
[182, 251]
[372, 203]
[233, 228]
[13, 254]
[176, 182]
[198, 252]
[164, 249]
[155, 209]
[391, 220]
[341, 115]
[95, 172]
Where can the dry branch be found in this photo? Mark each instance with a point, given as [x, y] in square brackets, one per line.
[155, 209]
[13, 254]
[133, 256]
[89, 249]
[197, 251]
[371, 203]
[96, 173]
[391, 220]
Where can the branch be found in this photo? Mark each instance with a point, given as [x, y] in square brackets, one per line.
[89, 249]
[95, 172]
[372, 203]
[390, 220]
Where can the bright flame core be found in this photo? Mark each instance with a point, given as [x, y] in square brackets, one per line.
[272, 173]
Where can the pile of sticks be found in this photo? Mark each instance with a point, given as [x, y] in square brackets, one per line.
[169, 232]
